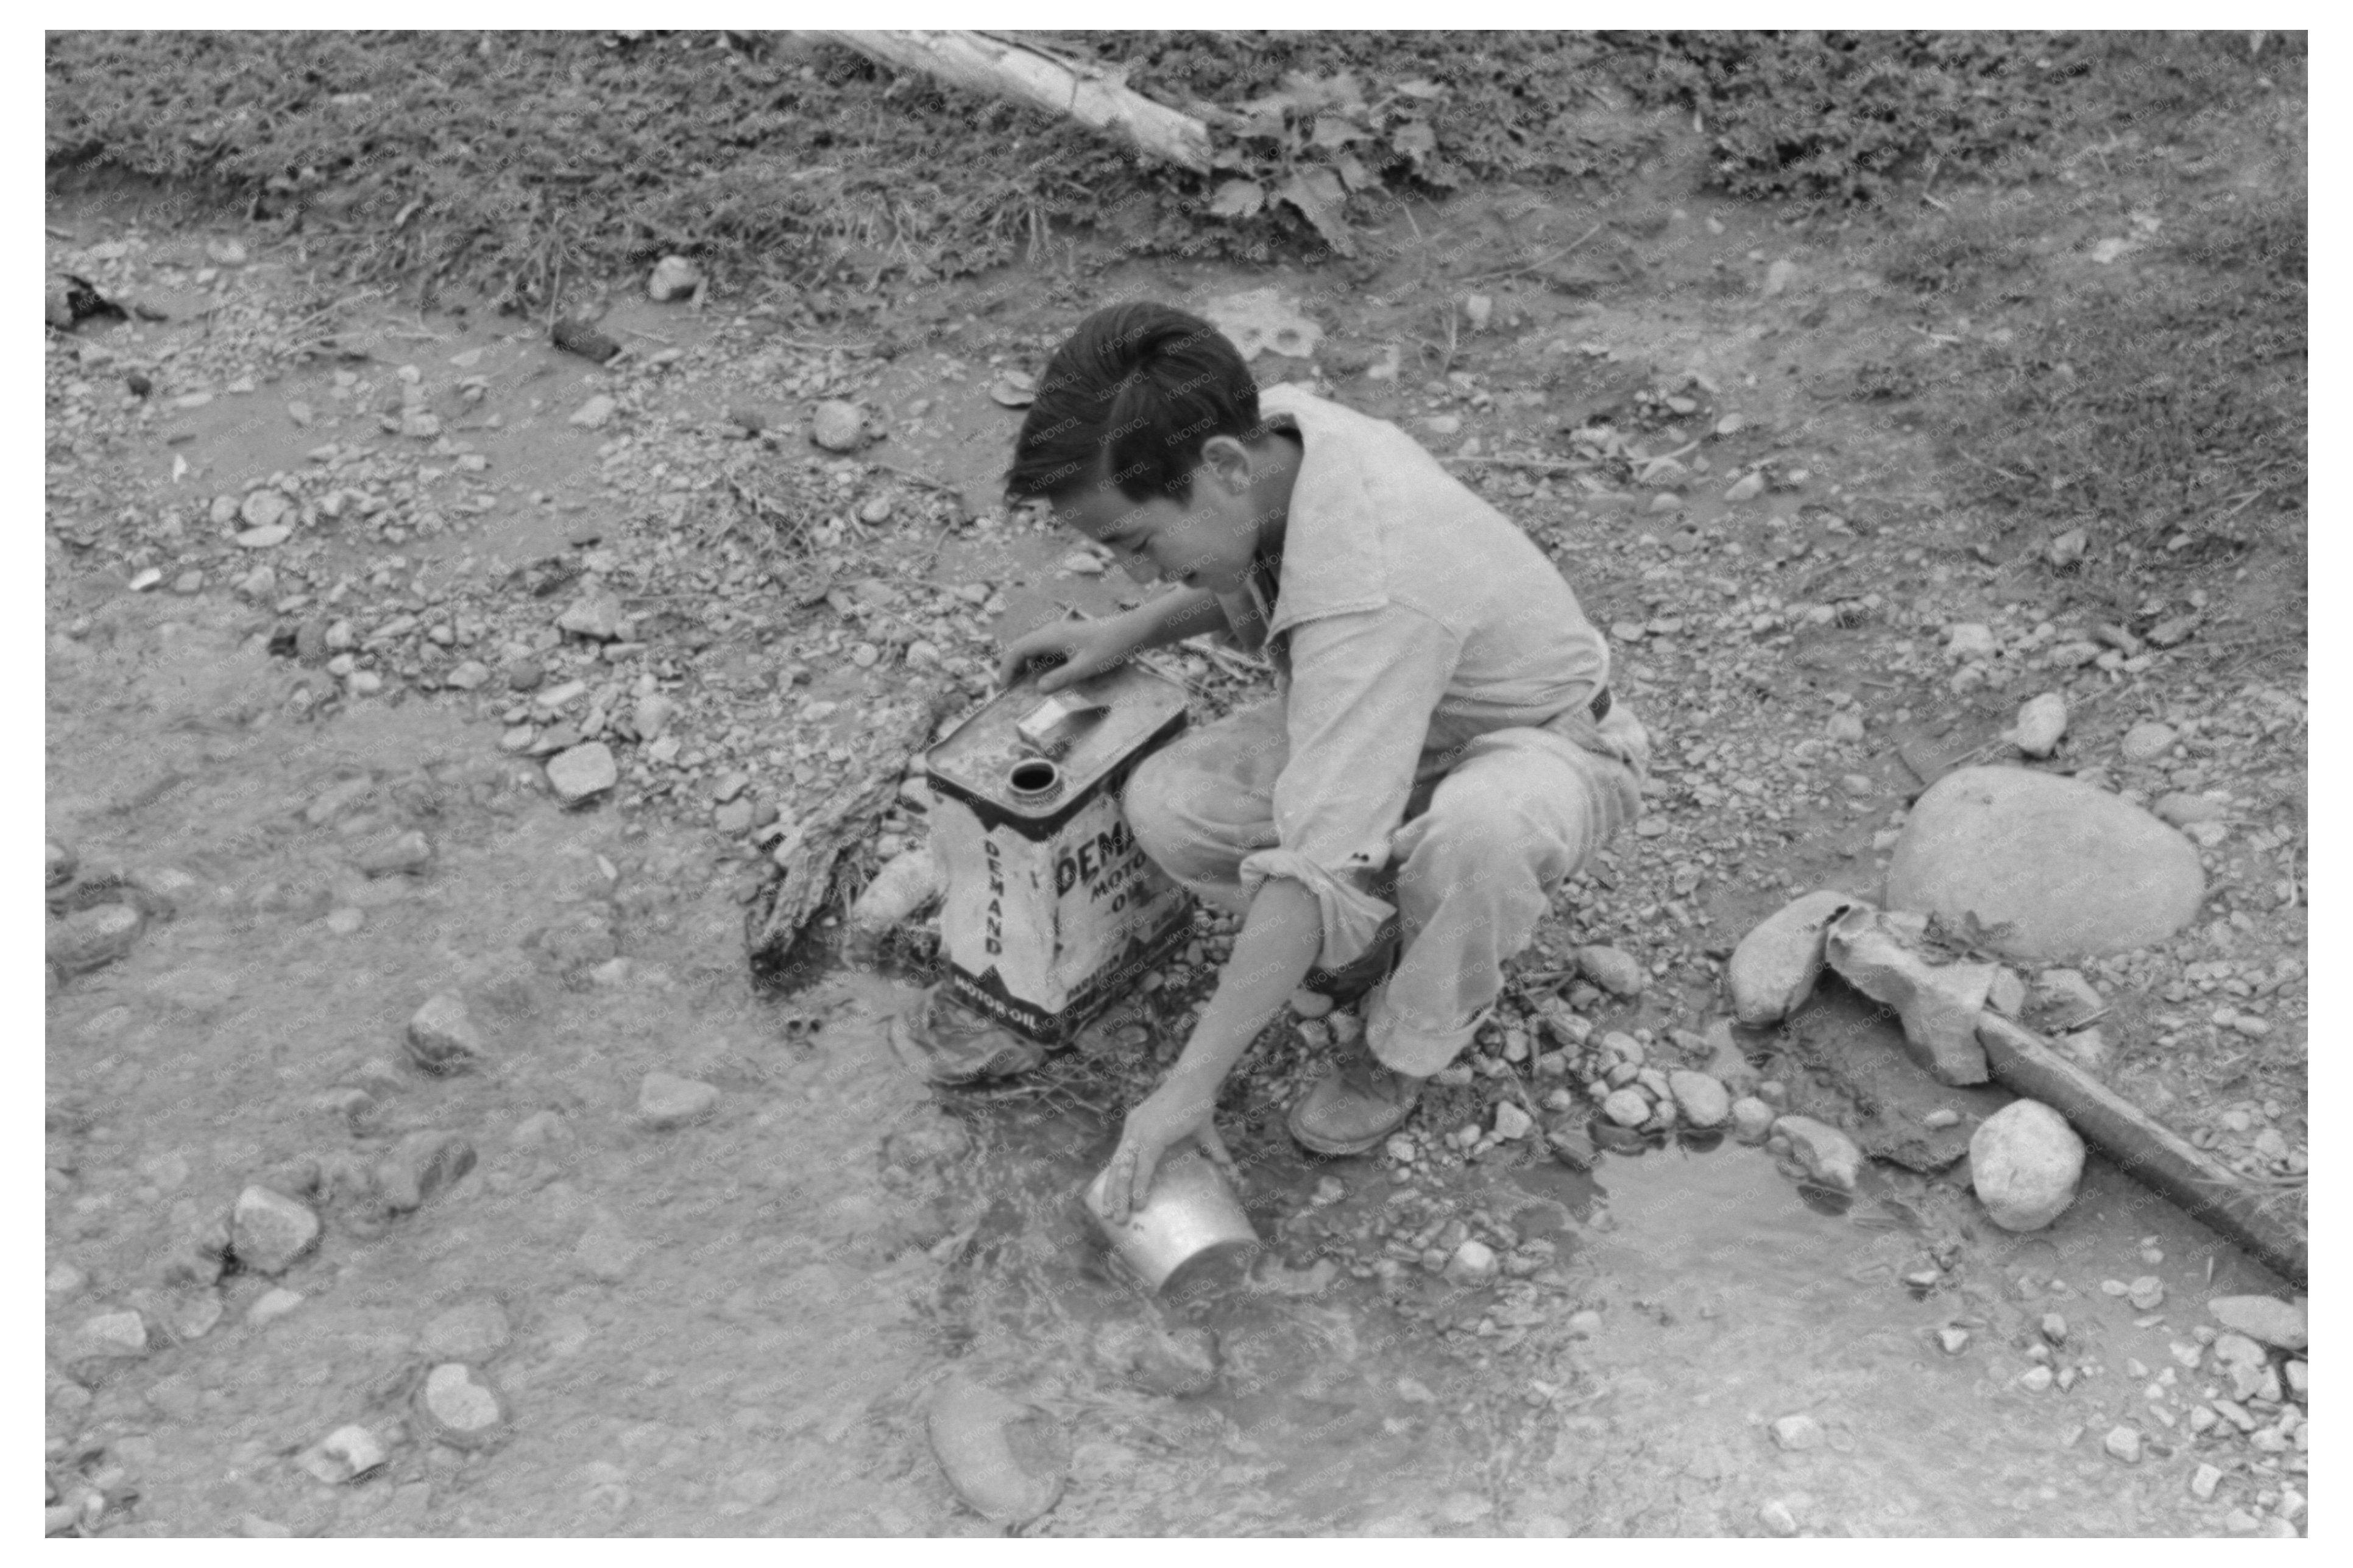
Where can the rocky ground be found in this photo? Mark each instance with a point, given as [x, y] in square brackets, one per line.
[425, 702]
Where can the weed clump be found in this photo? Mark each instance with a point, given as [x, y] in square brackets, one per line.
[1846, 116]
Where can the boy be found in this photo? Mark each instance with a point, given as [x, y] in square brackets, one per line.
[1444, 750]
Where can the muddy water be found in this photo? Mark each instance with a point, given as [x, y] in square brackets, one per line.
[1734, 1297]
[1724, 1295]
[1325, 1419]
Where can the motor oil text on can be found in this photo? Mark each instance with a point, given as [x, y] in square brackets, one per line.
[1051, 908]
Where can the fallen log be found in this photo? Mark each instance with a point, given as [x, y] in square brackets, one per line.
[1010, 69]
[780, 913]
[2145, 1150]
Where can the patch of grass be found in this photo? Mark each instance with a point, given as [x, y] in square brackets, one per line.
[515, 161]
[1845, 116]
[2173, 397]
[1957, 253]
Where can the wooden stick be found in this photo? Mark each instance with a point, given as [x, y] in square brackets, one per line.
[1232, 663]
[1012, 69]
[2148, 1152]
[773, 925]
[925, 480]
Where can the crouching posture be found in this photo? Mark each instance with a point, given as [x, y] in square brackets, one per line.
[1444, 749]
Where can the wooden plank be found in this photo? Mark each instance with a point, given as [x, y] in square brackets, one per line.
[2150, 1153]
[1007, 67]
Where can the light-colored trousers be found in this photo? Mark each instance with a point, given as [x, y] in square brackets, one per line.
[1476, 860]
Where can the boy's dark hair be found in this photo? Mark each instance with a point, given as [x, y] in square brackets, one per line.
[1127, 401]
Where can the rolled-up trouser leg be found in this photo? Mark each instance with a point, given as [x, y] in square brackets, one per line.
[1516, 817]
[1205, 802]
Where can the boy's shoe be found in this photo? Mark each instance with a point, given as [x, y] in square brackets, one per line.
[952, 1046]
[1354, 1106]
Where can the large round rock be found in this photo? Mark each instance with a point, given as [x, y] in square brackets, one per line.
[2071, 870]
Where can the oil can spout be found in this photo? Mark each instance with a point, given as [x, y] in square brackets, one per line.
[1034, 779]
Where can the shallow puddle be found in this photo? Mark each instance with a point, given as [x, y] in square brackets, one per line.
[1700, 1296]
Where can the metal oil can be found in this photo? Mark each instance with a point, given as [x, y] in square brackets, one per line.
[1051, 908]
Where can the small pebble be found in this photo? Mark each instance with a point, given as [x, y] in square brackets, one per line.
[1612, 969]
[460, 1406]
[351, 1452]
[122, 1333]
[839, 425]
[420, 1166]
[270, 1231]
[271, 1305]
[1474, 1263]
[1573, 1147]
[673, 277]
[1627, 1107]
[666, 1101]
[442, 1038]
[401, 853]
[1752, 1118]
[583, 772]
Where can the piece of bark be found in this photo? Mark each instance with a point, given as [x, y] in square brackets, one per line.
[772, 927]
[1938, 1003]
[2147, 1150]
[1026, 73]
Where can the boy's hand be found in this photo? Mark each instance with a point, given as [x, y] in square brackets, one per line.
[1077, 649]
[1173, 1113]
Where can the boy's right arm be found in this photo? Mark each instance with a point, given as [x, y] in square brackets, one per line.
[1084, 648]
[1172, 617]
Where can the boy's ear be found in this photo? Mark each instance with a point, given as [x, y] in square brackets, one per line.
[1228, 461]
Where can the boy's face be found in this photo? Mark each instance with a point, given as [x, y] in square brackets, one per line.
[1206, 541]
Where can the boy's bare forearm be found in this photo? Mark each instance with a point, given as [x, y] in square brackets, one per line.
[1273, 952]
[1172, 617]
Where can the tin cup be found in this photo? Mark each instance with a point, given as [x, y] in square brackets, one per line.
[1192, 1221]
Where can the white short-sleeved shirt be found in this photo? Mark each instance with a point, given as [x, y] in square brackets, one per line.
[1408, 618]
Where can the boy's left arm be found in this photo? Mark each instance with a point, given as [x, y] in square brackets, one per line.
[1363, 688]
[1273, 952]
